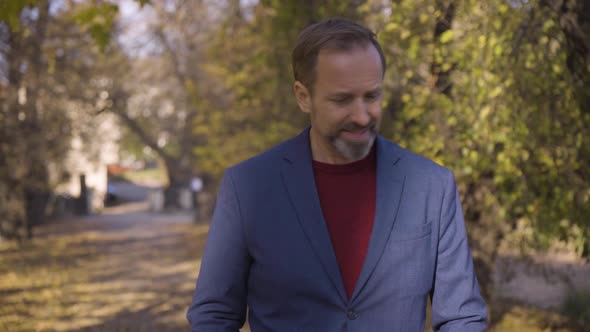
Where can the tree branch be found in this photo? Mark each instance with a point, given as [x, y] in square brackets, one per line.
[118, 107]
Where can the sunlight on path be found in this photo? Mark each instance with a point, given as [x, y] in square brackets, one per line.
[133, 271]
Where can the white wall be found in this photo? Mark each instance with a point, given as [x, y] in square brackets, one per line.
[92, 159]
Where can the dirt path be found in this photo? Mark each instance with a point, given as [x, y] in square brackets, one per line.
[126, 270]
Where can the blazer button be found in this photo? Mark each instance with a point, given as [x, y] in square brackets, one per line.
[352, 315]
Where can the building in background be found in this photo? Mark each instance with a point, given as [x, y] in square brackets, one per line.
[90, 157]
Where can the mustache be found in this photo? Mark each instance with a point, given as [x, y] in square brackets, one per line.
[356, 128]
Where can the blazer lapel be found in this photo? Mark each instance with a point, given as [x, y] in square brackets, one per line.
[298, 176]
[390, 184]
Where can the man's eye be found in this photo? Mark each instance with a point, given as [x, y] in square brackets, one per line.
[342, 100]
[372, 96]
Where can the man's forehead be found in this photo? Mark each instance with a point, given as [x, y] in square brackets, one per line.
[343, 71]
[346, 90]
[351, 85]
[345, 49]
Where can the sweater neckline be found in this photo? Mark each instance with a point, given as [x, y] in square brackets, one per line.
[367, 162]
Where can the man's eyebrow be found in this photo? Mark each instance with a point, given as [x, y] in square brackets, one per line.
[340, 94]
[347, 93]
[376, 90]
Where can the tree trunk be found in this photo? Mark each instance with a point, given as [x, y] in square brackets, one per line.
[205, 199]
[442, 77]
[179, 174]
[485, 235]
[36, 186]
[574, 19]
[35, 205]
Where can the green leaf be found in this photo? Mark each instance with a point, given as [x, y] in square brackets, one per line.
[10, 11]
[98, 20]
[446, 36]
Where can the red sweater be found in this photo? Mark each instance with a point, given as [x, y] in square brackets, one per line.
[348, 198]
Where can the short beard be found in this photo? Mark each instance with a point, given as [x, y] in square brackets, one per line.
[354, 150]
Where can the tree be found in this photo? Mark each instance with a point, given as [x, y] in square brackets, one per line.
[28, 189]
[42, 55]
[167, 90]
[513, 126]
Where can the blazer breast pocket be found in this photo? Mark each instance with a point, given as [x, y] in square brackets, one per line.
[401, 232]
[408, 262]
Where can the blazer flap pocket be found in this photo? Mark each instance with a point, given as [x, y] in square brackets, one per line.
[403, 232]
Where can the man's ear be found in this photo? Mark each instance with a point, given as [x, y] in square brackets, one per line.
[303, 97]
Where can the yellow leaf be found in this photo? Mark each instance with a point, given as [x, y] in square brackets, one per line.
[446, 36]
[391, 26]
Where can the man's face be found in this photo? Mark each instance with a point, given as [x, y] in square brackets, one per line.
[345, 104]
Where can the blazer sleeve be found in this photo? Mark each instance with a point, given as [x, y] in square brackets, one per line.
[219, 301]
[457, 304]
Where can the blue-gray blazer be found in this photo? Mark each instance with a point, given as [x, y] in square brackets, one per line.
[269, 251]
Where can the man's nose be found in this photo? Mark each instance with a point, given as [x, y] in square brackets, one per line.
[360, 114]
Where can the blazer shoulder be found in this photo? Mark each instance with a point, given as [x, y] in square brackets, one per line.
[262, 163]
[417, 164]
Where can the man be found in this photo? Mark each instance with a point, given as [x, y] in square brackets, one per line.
[337, 229]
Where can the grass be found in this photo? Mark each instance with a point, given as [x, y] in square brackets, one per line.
[154, 174]
[577, 307]
[146, 176]
[521, 318]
